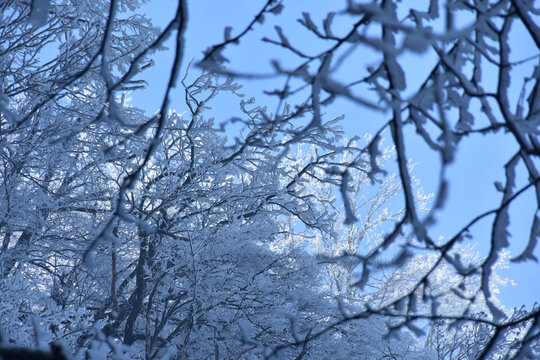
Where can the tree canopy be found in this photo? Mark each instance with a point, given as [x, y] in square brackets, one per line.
[175, 235]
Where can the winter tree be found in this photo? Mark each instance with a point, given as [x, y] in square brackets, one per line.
[475, 86]
[132, 236]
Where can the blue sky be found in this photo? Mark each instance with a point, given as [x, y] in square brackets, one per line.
[479, 161]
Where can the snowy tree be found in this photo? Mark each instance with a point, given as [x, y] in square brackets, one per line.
[194, 265]
[125, 238]
[473, 86]
[132, 236]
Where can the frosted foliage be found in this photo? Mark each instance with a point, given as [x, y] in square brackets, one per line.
[125, 235]
[431, 74]
[198, 261]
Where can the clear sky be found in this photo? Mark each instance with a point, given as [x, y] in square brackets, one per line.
[479, 161]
